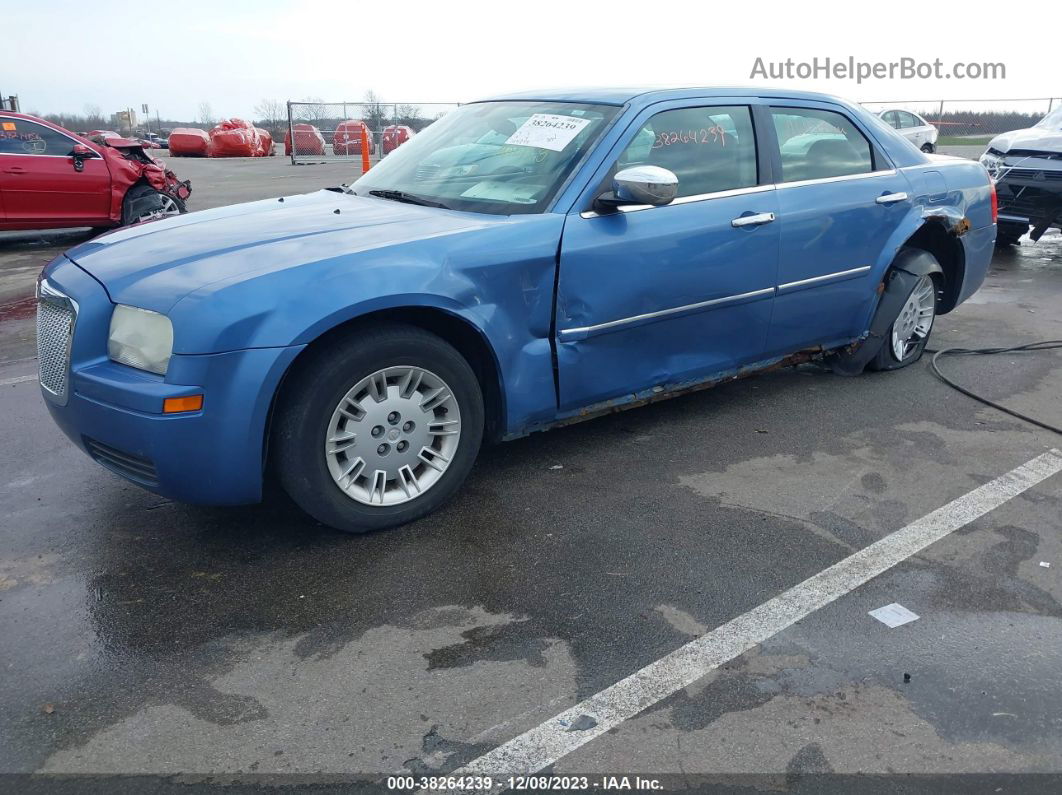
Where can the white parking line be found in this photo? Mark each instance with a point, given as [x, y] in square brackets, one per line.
[543, 745]
[17, 379]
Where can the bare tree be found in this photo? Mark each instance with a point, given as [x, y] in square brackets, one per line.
[377, 115]
[206, 114]
[409, 115]
[93, 116]
[271, 113]
[310, 109]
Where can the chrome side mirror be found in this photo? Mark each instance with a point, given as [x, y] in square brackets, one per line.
[651, 185]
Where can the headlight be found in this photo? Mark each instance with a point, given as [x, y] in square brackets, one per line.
[992, 162]
[140, 338]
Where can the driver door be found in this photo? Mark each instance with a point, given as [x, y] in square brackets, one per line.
[39, 182]
[657, 297]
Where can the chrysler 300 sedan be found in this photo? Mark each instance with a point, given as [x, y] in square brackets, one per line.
[522, 263]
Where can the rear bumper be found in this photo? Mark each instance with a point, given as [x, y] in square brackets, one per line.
[114, 413]
[978, 247]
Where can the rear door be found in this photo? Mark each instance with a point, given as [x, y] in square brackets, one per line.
[39, 182]
[839, 201]
[656, 297]
[916, 129]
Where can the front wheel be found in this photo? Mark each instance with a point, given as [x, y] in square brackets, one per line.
[928, 148]
[909, 333]
[144, 203]
[378, 429]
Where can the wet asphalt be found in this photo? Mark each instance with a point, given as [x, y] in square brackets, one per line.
[144, 636]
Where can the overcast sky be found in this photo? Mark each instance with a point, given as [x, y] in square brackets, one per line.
[60, 56]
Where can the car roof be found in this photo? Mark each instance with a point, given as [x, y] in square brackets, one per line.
[648, 95]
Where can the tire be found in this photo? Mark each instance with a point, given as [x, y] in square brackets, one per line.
[144, 203]
[1009, 234]
[928, 148]
[909, 333]
[319, 437]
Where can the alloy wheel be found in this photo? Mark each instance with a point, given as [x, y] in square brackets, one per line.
[169, 207]
[915, 319]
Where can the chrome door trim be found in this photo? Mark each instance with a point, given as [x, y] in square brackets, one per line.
[843, 178]
[94, 156]
[574, 334]
[815, 280]
[699, 197]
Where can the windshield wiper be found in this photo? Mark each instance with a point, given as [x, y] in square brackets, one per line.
[408, 198]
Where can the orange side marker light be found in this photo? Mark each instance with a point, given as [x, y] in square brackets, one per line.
[175, 405]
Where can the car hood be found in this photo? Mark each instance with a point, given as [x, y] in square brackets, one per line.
[153, 265]
[1036, 139]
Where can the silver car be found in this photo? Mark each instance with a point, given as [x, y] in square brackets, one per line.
[912, 127]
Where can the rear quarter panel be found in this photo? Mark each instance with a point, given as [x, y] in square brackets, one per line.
[969, 194]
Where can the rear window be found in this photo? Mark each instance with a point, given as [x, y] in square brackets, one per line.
[818, 144]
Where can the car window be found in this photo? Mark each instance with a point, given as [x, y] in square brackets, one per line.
[709, 149]
[21, 137]
[817, 144]
[1052, 121]
[502, 157]
[892, 118]
[909, 120]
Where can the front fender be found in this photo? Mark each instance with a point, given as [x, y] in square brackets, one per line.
[498, 280]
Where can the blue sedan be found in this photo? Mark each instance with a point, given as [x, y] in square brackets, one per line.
[524, 262]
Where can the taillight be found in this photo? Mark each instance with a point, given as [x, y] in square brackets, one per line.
[995, 200]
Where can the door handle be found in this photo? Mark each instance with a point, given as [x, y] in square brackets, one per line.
[752, 220]
[891, 198]
[15, 170]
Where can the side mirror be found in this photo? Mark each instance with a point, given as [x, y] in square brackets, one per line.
[80, 153]
[650, 185]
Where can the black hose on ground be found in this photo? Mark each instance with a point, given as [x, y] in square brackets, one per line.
[1031, 347]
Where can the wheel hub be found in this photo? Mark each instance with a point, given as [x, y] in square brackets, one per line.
[915, 319]
[393, 435]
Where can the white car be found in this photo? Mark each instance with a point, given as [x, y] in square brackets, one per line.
[912, 127]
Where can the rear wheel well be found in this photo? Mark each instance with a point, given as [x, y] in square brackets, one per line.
[933, 237]
[457, 332]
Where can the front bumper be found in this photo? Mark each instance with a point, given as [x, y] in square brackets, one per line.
[114, 413]
[1030, 192]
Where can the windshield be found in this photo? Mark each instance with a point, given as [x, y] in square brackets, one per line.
[490, 157]
[1052, 121]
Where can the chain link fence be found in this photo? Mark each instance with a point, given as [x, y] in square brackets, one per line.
[319, 132]
[966, 126]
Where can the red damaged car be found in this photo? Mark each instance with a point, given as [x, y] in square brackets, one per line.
[346, 140]
[51, 178]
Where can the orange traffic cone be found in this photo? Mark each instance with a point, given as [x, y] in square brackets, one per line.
[364, 152]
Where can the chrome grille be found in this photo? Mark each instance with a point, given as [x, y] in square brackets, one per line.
[1032, 174]
[55, 327]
